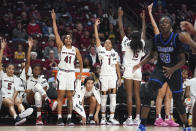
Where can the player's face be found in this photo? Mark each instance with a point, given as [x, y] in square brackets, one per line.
[89, 85]
[10, 70]
[108, 44]
[36, 71]
[165, 25]
[185, 74]
[68, 40]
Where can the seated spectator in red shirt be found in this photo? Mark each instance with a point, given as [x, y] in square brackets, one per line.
[33, 27]
[34, 59]
[85, 41]
[51, 62]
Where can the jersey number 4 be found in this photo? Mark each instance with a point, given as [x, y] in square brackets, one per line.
[68, 59]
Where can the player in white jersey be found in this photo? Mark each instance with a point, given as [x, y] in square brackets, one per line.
[9, 86]
[66, 74]
[87, 94]
[133, 49]
[36, 85]
[108, 76]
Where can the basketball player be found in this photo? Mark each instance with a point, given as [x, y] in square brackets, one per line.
[171, 58]
[9, 87]
[133, 49]
[164, 91]
[36, 85]
[108, 78]
[88, 94]
[66, 74]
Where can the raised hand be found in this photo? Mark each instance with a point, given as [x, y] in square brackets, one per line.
[150, 8]
[187, 26]
[30, 41]
[120, 12]
[185, 37]
[3, 43]
[53, 14]
[142, 15]
[97, 22]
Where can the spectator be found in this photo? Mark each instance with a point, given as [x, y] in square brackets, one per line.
[34, 59]
[85, 40]
[5, 26]
[33, 27]
[93, 56]
[47, 27]
[37, 49]
[19, 33]
[25, 19]
[51, 46]
[78, 32]
[51, 62]
[19, 54]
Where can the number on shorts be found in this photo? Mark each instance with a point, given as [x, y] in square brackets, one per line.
[9, 86]
[68, 59]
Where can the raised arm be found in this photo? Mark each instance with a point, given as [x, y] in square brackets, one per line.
[143, 35]
[98, 42]
[154, 25]
[27, 65]
[120, 23]
[57, 36]
[3, 45]
[79, 57]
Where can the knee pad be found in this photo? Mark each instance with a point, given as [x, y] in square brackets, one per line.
[38, 99]
[39, 88]
[103, 103]
[179, 103]
[112, 102]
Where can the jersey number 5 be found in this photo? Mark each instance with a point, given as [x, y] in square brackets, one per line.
[68, 59]
[9, 86]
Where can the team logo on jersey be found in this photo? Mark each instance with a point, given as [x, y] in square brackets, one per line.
[113, 54]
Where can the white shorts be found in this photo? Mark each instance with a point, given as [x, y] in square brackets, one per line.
[108, 82]
[66, 80]
[128, 73]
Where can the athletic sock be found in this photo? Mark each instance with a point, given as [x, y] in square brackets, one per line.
[158, 116]
[59, 116]
[15, 117]
[111, 116]
[69, 116]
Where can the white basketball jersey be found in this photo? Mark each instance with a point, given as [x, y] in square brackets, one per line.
[129, 57]
[8, 86]
[31, 82]
[193, 86]
[67, 58]
[108, 60]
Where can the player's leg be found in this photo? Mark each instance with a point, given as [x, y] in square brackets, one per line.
[168, 117]
[112, 84]
[92, 108]
[194, 117]
[38, 104]
[128, 83]
[191, 110]
[69, 95]
[159, 100]
[137, 85]
[61, 94]
[23, 113]
[8, 102]
[104, 96]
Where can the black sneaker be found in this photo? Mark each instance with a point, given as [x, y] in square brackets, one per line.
[60, 122]
[69, 122]
[48, 103]
[19, 121]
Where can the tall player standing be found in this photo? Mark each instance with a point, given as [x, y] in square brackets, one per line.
[108, 76]
[10, 86]
[66, 73]
[171, 58]
[133, 52]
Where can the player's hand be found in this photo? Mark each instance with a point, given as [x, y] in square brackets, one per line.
[185, 38]
[97, 22]
[30, 41]
[53, 14]
[119, 83]
[168, 71]
[136, 67]
[142, 15]
[96, 119]
[187, 26]
[120, 12]
[83, 121]
[150, 8]
[3, 43]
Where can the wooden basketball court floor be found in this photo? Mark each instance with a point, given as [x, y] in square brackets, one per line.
[85, 128]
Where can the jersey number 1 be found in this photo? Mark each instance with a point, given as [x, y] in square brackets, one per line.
[68, 59]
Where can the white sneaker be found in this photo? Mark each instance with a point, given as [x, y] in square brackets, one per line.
[113, 121]
[103, 121]
[26, 113]
[92, 122]
[136, 122]
[128, 122]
